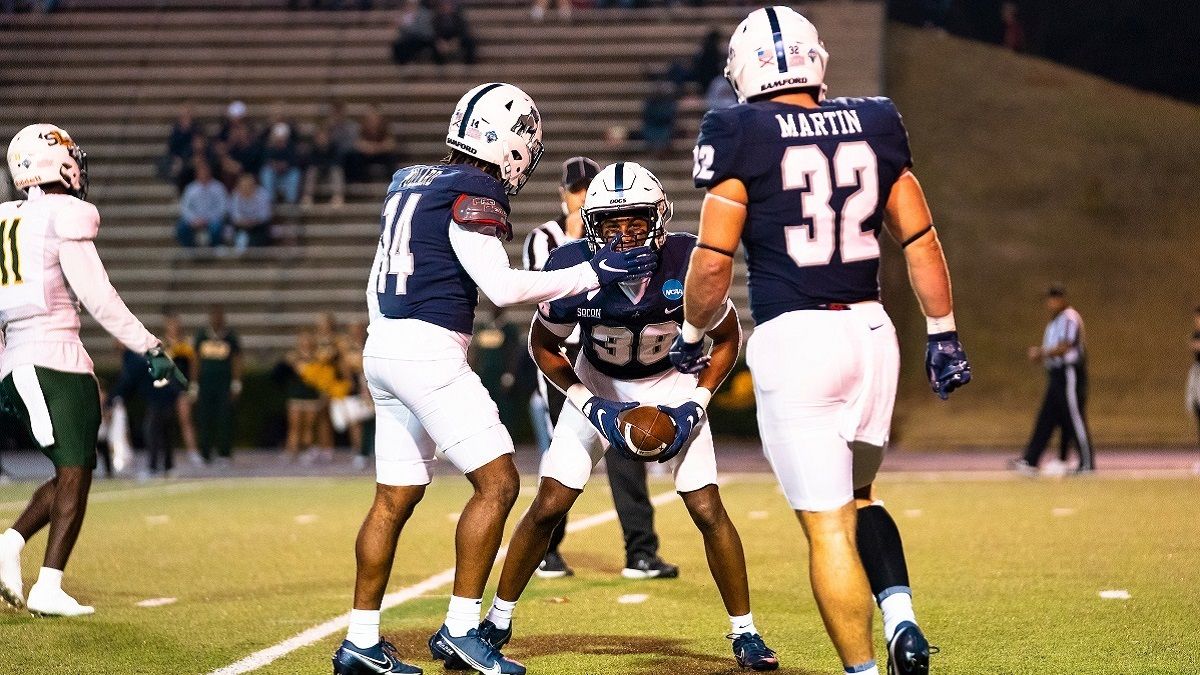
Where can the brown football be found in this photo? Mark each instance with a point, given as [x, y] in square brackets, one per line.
[649, 430]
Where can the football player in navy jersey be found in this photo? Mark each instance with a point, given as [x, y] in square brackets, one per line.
[440, 243]
[627, 330]
[805, 185]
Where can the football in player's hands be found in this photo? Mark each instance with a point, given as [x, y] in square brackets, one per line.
[647, 430]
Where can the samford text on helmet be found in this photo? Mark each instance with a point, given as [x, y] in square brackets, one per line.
[499, 124]
[775, 49]
[623, 190]
[44, 153]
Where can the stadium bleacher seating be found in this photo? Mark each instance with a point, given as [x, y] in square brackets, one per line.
[113, 73]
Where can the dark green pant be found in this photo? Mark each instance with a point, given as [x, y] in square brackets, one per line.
[214, 422]
[72, 401]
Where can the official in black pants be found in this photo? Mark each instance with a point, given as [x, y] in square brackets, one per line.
[1064, 406]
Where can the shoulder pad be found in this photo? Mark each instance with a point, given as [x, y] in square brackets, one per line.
[717, 148]
[75, 219]
[568, 255]
[482, 214]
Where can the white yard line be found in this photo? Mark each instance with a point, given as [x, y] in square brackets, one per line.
[128, 493]
[444, 578]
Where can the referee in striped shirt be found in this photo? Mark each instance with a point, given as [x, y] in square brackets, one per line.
[1063, 353]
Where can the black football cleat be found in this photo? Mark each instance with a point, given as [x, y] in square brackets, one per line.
[650, 568]
[908, 651]
[751, 652]
[553, 566]
[382, 658]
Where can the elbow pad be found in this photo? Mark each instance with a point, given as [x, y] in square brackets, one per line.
[483, 215]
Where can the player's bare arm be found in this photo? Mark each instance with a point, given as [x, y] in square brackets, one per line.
[908, 219]
[546, 349]
[722, 217]
[727, 344]
[910, 223]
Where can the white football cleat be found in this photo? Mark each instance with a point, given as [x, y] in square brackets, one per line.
[46, 600]
[12, 589]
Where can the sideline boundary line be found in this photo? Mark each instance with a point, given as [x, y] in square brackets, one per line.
[321, 631]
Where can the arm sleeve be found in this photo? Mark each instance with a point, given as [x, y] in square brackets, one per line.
[85, 273]
[484, 258]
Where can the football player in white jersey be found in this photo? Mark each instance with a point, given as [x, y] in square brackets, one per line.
[48, 268]
[806, 184]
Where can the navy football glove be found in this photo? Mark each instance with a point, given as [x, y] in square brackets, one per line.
[946, 363]
[687, 417]
[163, 369]
[688, 357]
[602, 413]
[612, 266]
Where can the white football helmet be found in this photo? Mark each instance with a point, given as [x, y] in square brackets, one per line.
[44, 153]
[622, 190]
[772, 50]
[499, 124]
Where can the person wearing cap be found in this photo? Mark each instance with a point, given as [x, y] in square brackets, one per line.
[627, 479]
[1063, 353]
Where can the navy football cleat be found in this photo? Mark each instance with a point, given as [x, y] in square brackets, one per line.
[382, 658]
[908, 651]
[474, 651]
[751, 652]
[488, 632]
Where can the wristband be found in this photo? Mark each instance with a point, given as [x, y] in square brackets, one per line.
[691, 334]
[943, 324]
[578, 395]
[702, 395]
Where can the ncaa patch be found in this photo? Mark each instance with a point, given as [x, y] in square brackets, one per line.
[673, 289]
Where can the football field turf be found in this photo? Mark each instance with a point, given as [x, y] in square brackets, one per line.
[1008, 575]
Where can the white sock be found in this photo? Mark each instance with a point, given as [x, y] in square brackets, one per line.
[868, 668]
[50, 577]
[740, 625]
[462, 615]
[12, 539]
[897, 608]
[364, 628]
[501, 613]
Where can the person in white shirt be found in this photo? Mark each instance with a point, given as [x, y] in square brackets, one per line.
[48, 268]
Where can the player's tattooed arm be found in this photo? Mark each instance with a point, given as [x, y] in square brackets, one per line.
[710, 272]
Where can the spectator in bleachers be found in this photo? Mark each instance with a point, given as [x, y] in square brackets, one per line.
[658, 118]
[452, 34]
[235, 116]
[624, 4]
[720, 94]
[343, 131]
[239, 152]
[179, 144]
[324, 164]
[376, 146]
[201, 150]
[538, 11]
[204, 207]
[709, 61]
[250, 214]
[414, 32]
[280, 172]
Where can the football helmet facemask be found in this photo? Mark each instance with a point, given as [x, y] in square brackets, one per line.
[626, 190]
[43, 153]
[499, 124]
[775, 49]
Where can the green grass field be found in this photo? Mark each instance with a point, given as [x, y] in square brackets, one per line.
[1007, 575]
